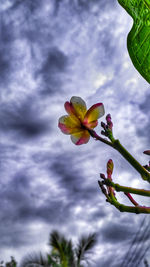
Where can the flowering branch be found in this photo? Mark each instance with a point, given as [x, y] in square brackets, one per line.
[107, 187]
[79, 124]
[99, 138]
[115, 143]
[121, 207]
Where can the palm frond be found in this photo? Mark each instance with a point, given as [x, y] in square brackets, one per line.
[54, 240]
[63, 248]
[63, 254]
[86, 243]
[71, 255]
[53, 262]
[35, 260]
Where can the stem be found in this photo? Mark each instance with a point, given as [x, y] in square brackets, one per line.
[123, 208]
[131, 199]
[97, 137]
[144, 173]
[117, 145]
[112, 200]
[126, 189]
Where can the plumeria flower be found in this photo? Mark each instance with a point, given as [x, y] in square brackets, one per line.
[79, 120]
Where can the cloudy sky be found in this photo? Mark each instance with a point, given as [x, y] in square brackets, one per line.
[51, 50]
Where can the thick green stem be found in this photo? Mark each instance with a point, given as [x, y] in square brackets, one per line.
[123, 208]
[115, 143]
[144, 173]
[126, 189]
[132, 209]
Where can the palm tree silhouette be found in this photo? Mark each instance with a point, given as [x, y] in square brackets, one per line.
[63, 253]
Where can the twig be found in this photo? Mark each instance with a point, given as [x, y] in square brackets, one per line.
[120, 188]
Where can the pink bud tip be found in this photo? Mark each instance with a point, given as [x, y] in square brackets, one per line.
[108, 117]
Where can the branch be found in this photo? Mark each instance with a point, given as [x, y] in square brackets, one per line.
[123, 208]
[144, 173]
[131, 199]
[115, 143]
[120, 188]
[99, 138]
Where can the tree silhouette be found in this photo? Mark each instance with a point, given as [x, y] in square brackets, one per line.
[63, 252]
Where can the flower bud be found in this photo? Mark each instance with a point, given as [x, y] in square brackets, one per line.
[102, 175]
[147, 152]
[109, 122]
[110, 166]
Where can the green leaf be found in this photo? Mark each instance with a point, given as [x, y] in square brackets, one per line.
[138, 41]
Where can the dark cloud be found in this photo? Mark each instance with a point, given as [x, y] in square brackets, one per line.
[71, 178]
[6, 37]
[4, 66]
[145, 105]
[17, 235]
[87, 6]
[116, 232]
[27, 6]
[23, 119]
[109, 259]
[20, 23]
[144, 128]
[52, 70]
[6, 34]
[107, 49]
[22, 202]
[56, 61]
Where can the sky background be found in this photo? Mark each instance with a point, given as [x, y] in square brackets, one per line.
[52, 50]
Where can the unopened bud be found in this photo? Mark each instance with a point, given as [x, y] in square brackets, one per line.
[147, 152]
[109, 122]
[104, 133]
[103, 125]
[110, 166]
[108, 117]
[102, 175]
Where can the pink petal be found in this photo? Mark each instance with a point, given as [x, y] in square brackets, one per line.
[69, 124]
[80, 138]
[94, 113]
[69, 108]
